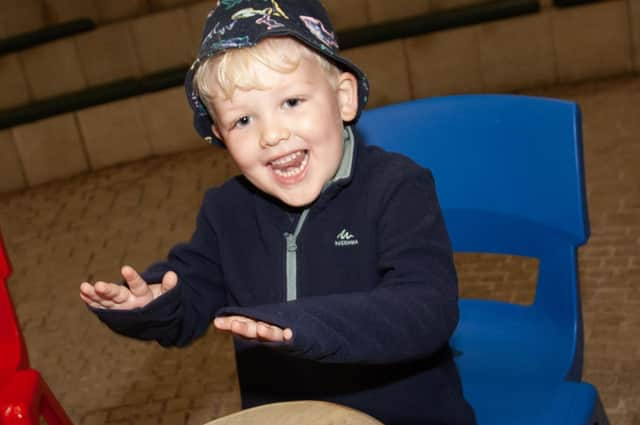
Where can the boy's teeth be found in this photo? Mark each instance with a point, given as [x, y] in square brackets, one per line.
[291, 171]
[289, 158]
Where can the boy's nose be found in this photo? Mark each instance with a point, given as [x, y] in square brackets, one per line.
[272, 135]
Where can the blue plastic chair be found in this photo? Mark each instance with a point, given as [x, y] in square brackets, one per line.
[509, 176]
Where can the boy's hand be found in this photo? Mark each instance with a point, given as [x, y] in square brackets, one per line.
[252, 329]
[119, 297]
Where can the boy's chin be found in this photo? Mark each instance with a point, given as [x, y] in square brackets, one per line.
[297, 200]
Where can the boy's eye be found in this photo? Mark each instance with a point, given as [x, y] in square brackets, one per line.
[293, 102]
[241, 122]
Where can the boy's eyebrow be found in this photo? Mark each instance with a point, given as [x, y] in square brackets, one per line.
[223, 114]
[230, 115]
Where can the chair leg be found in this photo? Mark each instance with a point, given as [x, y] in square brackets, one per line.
[26, 397]
[20, 400]
[599, 415]
[51, 409]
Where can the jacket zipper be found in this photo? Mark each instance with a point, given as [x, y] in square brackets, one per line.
[291, 258]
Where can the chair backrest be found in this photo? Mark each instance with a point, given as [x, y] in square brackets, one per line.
[510, 180]
[515, 156]
[13, 352]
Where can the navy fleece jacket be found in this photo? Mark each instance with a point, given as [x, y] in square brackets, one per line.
[371, 299]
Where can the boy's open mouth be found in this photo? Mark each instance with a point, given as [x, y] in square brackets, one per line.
[290, 165]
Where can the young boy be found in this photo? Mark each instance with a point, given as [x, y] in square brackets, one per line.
[327, 259]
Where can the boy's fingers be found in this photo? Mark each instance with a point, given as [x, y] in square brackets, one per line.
[89, 301]
[274, 333]
[221, 323]
[287, 334]
[89, 292]
[246, 329]
[137, 284]
[95, 296]
[121, 294]
[269, 333]
[238, 325]
[169, 281]
[111, 291]
[87, 289]
[224, 323]
[249, 328]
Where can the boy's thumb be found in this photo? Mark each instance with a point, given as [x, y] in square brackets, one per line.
[169, 281]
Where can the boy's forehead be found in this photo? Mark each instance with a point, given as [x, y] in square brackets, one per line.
[305, 76]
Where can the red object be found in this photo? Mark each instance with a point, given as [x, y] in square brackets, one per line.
[24, 395]
[13, 351]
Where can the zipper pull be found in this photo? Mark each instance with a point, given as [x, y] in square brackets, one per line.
[291, 242]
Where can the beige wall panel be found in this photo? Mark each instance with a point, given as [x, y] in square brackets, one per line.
[50, 149]
[114, 133]
[346, 14]
[114, 10]
[53, 69]
[162, 40]
[385, 10]
[21, 16]
[108, 54]
[196, 15]
[168, 120]
[546, 4]
[11, 173]
[3, 28]
[387, 69]
[517, 53]
[453, 4]
[446, 62]
[13, 87]
[156, 5]
[58, 11]
[592, 41]
[634, 12]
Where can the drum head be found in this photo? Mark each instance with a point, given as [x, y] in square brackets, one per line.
[297, 413]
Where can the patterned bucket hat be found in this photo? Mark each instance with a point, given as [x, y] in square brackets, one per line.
[234, 24]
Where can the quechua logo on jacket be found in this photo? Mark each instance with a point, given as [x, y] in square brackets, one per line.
[344, 238]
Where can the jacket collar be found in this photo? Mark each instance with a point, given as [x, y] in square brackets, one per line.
[344, 175]
[345, 169]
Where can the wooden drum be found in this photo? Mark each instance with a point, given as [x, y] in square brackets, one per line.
[298, 413]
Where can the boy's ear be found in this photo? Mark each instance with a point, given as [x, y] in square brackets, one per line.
[214, 130]
[347, 91]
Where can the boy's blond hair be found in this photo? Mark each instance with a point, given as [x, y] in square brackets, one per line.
[235, 69]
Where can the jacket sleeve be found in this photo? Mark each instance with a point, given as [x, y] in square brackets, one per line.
[411, 313]
[185, 312]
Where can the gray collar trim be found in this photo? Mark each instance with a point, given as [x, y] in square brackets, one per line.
[344, 170]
